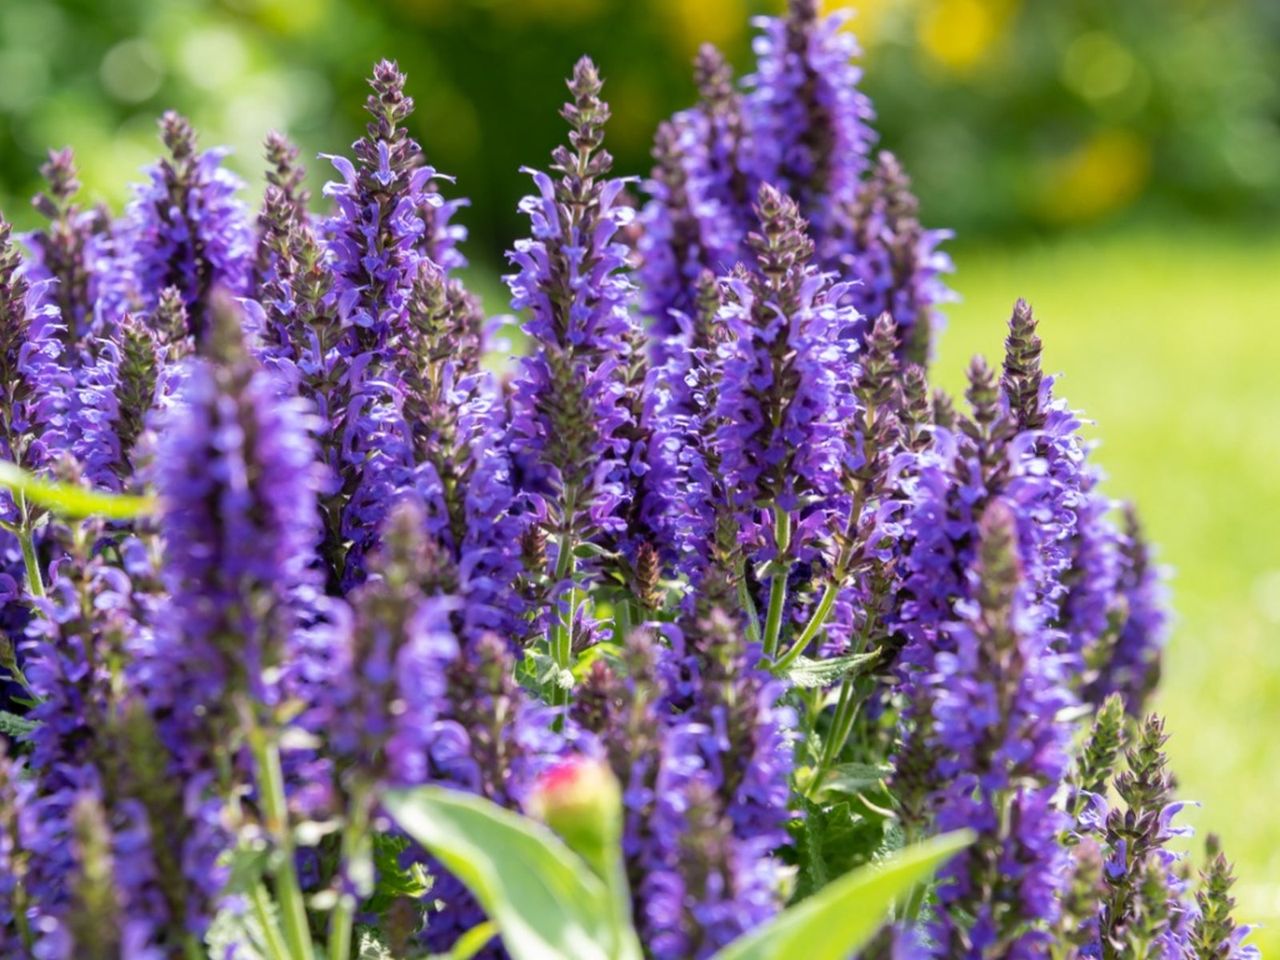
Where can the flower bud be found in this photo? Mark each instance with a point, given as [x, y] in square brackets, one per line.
[580, 799]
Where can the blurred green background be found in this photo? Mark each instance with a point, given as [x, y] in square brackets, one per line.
[1118, 163]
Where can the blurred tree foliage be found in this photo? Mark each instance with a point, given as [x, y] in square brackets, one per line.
[1010, 113]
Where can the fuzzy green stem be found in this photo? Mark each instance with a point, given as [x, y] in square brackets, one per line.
[837, 736]
[275, 945]
[773, 619]
[26, 540]
[748, 609]
[816, 622]
[355, 849]
[778, 581]
[293, 908]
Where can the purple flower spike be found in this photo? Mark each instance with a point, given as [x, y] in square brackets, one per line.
[377, 235]
[35, 386]
[1001, 755]
[568, 410]
[809, 121]
[186, 228]
[235, 474]
[70, 250]
[785, 389]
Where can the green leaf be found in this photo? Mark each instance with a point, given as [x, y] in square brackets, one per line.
[12, 725]
[472, 942]
[395, 882]
[370, 946]
[815, 674]
[68, 500]
[851, 778]
[839, 919]
[545, 900]
[834, 840]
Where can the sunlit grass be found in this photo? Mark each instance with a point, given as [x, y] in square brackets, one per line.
[1172, 345]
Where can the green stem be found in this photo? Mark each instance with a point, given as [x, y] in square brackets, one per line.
[355, 857]
[293, 908]
[749, 609]
[816, 622]
[26, 540]
[17, 676]
[622, 620]
[191, 948]
[837, 736]
[275, 945]
[773, 619]
[911, 910]
[561, 640]
[778, 582]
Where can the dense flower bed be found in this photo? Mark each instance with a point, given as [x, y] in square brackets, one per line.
[714, 530]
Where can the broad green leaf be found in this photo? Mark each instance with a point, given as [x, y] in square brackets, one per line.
[832, 841]
[839, 919]
[545, 900]
[814, 674]
[68, 500]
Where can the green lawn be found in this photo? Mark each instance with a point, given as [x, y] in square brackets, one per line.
[1172, 345]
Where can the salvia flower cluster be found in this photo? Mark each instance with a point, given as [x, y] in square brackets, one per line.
[712, 530]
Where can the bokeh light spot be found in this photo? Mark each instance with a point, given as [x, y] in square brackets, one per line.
[131, 71]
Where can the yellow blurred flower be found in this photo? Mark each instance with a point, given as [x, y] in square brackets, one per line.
[1102, 175]
[690, 23]
[871, 17]
[958, 34]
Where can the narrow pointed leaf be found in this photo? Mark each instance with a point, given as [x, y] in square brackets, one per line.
[840, 918]
[67, 500]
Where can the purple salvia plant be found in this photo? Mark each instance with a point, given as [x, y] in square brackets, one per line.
[234, 471]
[1215, 934]
[186, 228]
[784, 397]
[700, 206]
[377, 240]
[569, 405]
[1001, 754]
[137, 386]
[1144, 907]
[15, 794]
[286, 181]
[69, 250]
[114, 905]
[34, 387]
[809, 122]
[700, 821]
[81, 638]
[376, 232]
[897, 262]
[700, 526]
[948, 485]
[1131, 658]
[305, 338]
[456, 426]
[686, 230]
[387, 688]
